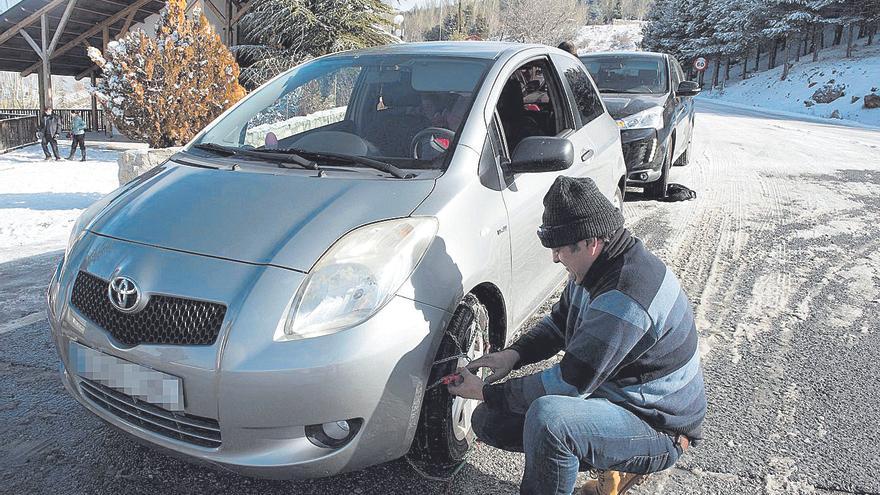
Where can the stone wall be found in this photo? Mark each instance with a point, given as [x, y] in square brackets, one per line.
[135, 162]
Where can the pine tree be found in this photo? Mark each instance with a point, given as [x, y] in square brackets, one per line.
[166, 90]
[280, 34]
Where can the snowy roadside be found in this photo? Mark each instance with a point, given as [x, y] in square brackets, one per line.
[851, 78]
[771, 112]
[40, 200]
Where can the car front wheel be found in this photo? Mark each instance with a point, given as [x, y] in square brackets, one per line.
[657, 189]
[444, 433]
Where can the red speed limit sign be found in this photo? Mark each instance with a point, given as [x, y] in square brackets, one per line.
[700, 64]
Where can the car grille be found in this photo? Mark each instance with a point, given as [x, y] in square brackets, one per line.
[164, 320]
[637, 152]
[199, 431]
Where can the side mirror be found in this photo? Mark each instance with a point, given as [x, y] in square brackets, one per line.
[688, 88]
[541, 154]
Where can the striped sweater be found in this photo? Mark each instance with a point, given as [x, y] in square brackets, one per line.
[629, 336]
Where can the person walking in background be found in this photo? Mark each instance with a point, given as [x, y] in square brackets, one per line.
[48, 131]
[78, 133]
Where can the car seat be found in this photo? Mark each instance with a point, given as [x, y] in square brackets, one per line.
[647, 77]
[391, 130]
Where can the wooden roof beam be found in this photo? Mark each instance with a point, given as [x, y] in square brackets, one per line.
[90, 33]
[27, 21]
[33, 43]
[241, 11]
[60, 28]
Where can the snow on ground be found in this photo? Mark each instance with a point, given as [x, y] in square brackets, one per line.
[860, 75]
[39, 200]
[622, 35]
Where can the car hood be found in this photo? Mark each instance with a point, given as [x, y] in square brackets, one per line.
[285, 219]
[623, 105]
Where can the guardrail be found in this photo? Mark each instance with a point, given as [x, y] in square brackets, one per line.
[17, 131]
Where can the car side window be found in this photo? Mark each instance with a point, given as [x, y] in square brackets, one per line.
[677, 74]
[586, 98]
[530, 104]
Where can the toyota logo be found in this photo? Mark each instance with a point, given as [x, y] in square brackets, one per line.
[124, 294]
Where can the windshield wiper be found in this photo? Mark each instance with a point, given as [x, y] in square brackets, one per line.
[217, 148]
[279, 156]
[340, 157]
[615, 90]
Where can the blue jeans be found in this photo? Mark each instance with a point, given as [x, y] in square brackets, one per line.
[563, 435]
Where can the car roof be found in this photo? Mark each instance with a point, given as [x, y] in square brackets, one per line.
[489, 50]
[624, 53]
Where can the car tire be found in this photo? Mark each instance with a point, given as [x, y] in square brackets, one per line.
[444, 434]
[657, 189]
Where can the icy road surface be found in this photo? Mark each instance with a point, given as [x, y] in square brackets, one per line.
[780, 253]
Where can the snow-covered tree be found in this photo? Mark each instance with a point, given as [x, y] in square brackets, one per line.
[541, 21]
[280, 34]
[166, 90]
[666, 30]
[472, 25]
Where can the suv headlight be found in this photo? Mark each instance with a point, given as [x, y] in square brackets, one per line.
[360, 273]
[651, 118]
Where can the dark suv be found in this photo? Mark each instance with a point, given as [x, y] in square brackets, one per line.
[648, 96]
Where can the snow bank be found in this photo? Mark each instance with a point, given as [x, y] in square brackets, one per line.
[857, 77]
[40, 200]
[622, 35]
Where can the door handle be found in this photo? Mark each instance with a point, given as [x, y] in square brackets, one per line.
[586, 155]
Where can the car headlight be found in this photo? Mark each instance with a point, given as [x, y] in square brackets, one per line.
[360, 273]
[651, 118]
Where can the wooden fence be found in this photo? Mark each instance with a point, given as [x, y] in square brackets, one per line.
[18, 126]
[99, 123]
[17, 131]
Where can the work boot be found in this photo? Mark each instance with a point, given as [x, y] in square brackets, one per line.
[612, 483]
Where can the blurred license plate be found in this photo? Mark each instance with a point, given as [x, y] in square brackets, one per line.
[132, 379]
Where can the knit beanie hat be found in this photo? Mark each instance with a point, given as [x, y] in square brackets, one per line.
[575, 210]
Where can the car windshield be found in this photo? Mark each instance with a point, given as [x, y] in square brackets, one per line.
[627, 73]
[356, 105]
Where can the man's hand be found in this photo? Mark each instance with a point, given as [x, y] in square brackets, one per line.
[501, 364]
[471, 386]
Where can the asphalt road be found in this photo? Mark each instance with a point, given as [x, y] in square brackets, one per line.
[780, 253]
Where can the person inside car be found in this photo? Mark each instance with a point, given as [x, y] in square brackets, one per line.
[517, 123]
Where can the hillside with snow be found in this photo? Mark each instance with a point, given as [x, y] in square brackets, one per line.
[622, 35]
[832, 87]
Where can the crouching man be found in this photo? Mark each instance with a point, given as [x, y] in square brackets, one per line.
[627, 398]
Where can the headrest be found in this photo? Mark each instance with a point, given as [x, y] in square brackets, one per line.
[511, 97]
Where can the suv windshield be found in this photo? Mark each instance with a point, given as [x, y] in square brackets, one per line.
[357, 105]
[627, 73]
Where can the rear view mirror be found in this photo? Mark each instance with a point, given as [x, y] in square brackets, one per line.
[687, 88]
[541, 154]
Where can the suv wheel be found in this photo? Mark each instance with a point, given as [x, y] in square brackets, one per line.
[444, 433]
[657, 189]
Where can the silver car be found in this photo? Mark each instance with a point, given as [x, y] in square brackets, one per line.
[283, 297]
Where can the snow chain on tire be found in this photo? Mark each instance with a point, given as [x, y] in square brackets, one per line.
[431, 455]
